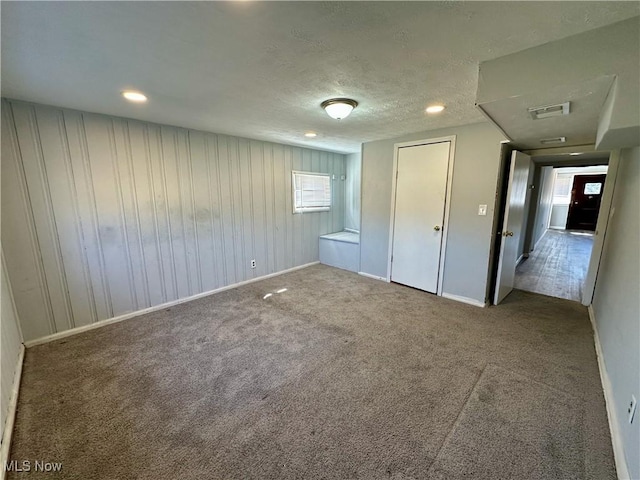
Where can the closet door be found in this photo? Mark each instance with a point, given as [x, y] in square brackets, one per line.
[418, 230]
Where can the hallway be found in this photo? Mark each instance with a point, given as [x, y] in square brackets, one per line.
[558, 266]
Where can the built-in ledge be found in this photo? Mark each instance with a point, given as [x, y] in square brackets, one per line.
[341, 250]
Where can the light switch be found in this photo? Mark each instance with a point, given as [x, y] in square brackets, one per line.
[482, 210]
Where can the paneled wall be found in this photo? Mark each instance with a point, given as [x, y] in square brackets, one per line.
[103, 216]
[11, 339]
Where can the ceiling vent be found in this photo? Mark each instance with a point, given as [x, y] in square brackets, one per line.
[548, 111]
[551, 141]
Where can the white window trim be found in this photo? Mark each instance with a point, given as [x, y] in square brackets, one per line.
[297, 210]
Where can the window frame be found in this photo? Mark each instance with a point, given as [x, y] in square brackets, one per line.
[302, 209]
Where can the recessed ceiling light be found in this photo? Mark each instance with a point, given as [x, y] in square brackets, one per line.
[134, 96]
[310, 134]
[339, 108]
[435, 108]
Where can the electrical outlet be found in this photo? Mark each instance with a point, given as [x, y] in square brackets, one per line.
[253, 263]
[632, 409]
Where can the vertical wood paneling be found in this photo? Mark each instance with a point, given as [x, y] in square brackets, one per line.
[87, 216]
[19, 240]
[246, 209]
[108, 204]
[45, 228]
[217, 239]
[227, 217]
[125, 181]
[10, 342]
[103, 215]
[279, 206]
[145, 214]
[74, 271]
[202, 205]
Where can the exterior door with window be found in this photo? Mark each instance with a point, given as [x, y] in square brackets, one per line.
[586, 196]
[418, 230]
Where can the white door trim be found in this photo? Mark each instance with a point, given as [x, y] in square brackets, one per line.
[601, 228]
[447, 201]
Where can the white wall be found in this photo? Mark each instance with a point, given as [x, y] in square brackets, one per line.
[11, 339]
[616, 303]
[469, 236]
[103, 216]
[352, 191]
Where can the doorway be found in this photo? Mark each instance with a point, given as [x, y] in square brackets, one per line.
[557, 261]
[420, 212]
[555, 257]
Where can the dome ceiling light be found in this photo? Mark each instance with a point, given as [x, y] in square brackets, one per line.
[134, 96]
[435, 108]
[339, 108]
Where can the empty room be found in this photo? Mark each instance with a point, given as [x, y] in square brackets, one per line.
[307, 240]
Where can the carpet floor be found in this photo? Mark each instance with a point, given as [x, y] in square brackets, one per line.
[338, 377]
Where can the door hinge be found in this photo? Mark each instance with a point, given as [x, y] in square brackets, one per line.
[397, 171]
[391, 258]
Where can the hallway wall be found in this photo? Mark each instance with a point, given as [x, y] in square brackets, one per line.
[616, 307]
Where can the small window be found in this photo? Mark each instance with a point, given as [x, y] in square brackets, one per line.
[592, 188]
[311, 192]
[562, 189]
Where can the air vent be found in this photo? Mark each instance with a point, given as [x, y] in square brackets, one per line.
[548, 141]
[548, 111]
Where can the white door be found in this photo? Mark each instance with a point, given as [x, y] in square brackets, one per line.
[421, 187]
[513, 225]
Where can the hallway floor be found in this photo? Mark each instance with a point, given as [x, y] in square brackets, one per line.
[558, 266]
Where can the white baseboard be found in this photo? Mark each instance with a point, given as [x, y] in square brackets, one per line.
[375, 277]
[470, 301]
[616, 436]
[11, 414]
[137, 313]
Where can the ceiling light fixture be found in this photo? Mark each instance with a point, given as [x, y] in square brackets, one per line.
[435, 108]
[134, 96]
[311, 134]
[575, 153]
[339, 108]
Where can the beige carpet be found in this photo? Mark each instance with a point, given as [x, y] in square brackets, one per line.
[338, 377]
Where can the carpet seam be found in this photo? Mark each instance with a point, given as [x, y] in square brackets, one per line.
[457, 420]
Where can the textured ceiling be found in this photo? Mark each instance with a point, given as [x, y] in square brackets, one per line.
[579, 127]
[261, 69]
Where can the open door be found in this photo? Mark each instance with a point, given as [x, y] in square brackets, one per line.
[513, 224]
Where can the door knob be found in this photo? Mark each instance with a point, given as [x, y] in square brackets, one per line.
[437, 228]
[507, 233]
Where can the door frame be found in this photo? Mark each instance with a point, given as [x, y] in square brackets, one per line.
[604, 214]
[447, 200]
